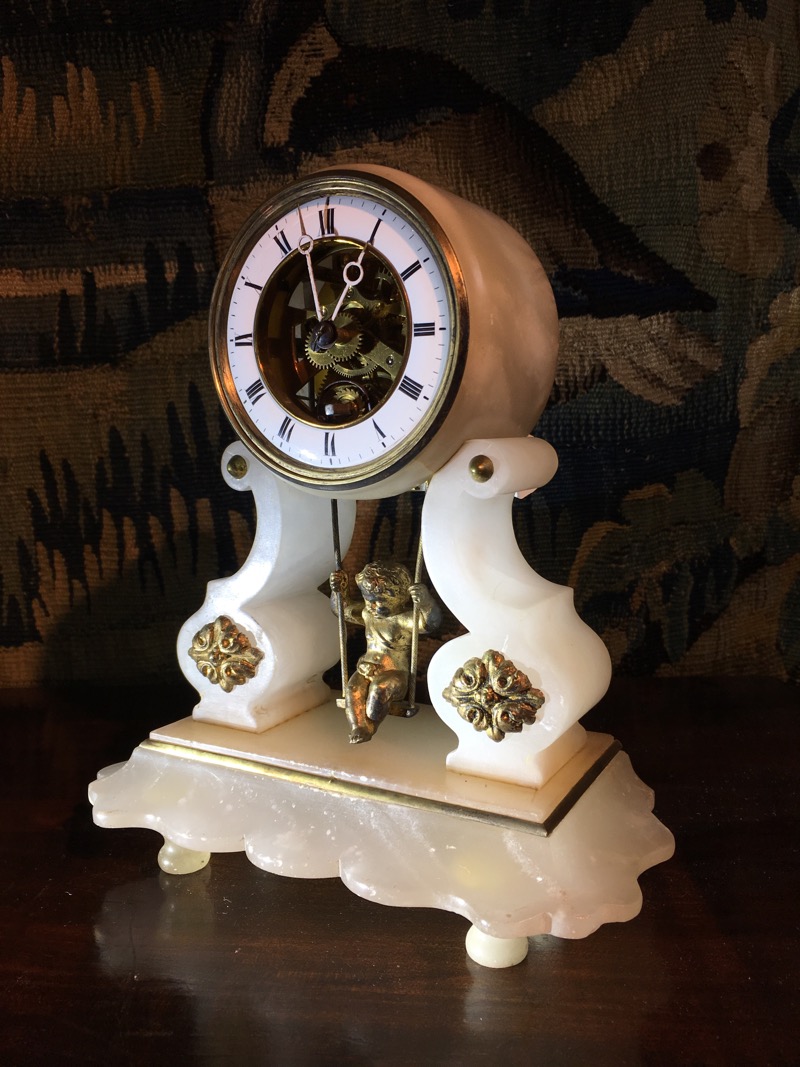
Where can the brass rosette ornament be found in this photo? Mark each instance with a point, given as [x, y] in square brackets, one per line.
[224, 655]
[494, 695]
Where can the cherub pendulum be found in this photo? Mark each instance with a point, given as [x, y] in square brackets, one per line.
[393, 610]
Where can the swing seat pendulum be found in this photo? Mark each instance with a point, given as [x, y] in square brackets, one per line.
[406, 708]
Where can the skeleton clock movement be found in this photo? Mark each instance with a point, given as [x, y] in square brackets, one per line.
[371, 334]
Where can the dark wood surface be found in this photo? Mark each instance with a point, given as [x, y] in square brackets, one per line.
[106, 960]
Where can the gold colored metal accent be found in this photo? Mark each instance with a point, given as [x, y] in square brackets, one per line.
[392, 608]
[224, 654]
[380, 795]
[481, 468]
[237, 466]
[493, 695]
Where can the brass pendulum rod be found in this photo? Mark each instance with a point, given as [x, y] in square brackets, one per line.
[337, 562]
[412, 668]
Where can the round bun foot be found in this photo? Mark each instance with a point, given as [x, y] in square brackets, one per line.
[174, 859]
[495, 951]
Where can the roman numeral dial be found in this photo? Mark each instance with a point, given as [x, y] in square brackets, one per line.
[336, 343]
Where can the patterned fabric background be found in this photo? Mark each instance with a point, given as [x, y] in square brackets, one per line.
[649, 152]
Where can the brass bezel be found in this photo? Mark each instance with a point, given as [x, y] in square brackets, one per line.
[393, 196]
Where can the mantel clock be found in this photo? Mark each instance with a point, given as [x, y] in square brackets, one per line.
[371, 334]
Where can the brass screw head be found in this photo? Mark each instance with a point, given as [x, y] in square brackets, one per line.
[237, 466]
[481, 468]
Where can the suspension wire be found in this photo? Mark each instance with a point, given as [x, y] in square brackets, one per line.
[414, 659]
[337, 561]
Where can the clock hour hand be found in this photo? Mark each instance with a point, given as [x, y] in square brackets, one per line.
[352, 275]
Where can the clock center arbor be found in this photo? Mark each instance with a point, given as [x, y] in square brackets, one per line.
[370, 334]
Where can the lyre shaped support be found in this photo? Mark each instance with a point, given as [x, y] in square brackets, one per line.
[272, 604]
[477, 569]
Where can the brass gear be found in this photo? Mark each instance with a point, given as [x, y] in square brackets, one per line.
[344, 349]
[356, 368]
[387, 299]
[344, 392]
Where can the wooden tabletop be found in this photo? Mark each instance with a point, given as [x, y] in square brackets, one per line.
[107, 960]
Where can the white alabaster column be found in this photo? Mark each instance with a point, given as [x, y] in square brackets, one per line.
[477, 569]
[274, 601]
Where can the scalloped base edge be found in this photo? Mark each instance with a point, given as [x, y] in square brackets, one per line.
[509, 882]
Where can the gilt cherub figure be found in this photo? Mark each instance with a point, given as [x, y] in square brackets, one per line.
[390, 608]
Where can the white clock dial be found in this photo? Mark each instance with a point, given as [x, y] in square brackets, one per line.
[336, 336]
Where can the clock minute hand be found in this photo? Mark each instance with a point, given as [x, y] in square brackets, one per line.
[305, 246]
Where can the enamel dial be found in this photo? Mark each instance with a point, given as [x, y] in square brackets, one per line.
[338, 331]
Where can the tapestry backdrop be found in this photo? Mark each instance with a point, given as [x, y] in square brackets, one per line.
[648, 151]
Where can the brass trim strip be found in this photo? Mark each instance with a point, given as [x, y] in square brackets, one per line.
[341, 787]
[576, 792]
